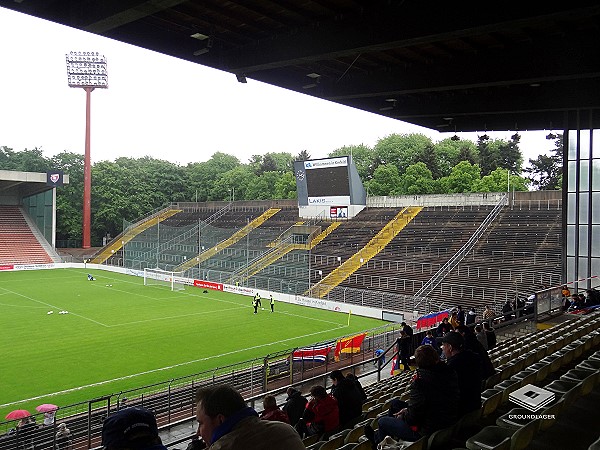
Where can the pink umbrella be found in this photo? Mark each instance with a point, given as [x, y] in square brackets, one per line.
[17, 414]
[46, 407]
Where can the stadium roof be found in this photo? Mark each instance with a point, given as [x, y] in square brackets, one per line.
[449, 66]
[24, 184]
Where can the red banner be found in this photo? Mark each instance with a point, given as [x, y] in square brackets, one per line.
[349, 345]
[208, 285]
[7, 267]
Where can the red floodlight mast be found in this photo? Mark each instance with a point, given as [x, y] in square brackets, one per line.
[87, 70]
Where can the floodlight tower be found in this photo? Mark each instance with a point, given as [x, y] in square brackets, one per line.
[87, 70]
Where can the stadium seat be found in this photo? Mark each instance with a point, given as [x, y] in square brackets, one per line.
[494, 437]
[311, 440]
[440, 438]
[491, 403]
[595, 445]
[354, 434]
[365, 445]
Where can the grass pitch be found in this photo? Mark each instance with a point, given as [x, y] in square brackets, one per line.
[119, 334]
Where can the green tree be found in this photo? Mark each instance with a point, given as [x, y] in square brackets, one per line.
[69, 198]
[362, 156]
[417, 179]
[25, 161]
[285, 186]
[233, 184]
[463, 178]
[302, 156]
[545, 171]
[510, 155]
[385, 181]
[497, 181]
[402, 150]
[202, 175]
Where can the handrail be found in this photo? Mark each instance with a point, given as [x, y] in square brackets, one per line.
[437, 278]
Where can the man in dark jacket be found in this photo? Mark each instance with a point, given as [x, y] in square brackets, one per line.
[294, 405]
[348, 396]
[432, 403]
[468, 368]
[471, 343]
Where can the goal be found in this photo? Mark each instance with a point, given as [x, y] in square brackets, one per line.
[159, 277]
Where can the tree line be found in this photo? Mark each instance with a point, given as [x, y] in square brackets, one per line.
[398, 164]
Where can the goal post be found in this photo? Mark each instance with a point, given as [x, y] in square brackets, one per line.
[159, 277]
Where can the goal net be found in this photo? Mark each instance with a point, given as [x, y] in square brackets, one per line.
[158, 277]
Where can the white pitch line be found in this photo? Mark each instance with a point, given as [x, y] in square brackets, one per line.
[100, 383]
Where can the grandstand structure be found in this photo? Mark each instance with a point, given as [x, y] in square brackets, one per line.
[385, 257]
[28, 218]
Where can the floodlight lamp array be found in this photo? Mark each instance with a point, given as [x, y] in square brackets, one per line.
[87, 69]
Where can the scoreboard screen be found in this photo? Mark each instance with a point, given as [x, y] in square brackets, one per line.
[328, 182]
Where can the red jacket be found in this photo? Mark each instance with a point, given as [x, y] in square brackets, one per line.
[275, 414]
[326, 412]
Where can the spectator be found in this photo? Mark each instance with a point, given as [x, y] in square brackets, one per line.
[432, 403]
[507, 310]
[490, 333]
[403, 344]
[349, 398]
[454, 319]
[407, 329]
[272, 411]
[481, 337]
[356, 381]
[429, 339]
[471, 316]
[63, 437]
[565, 291]
[49, 418]
[294, 405]
[473, 344]
[131, 428]
[467, 366]
[460, 315]
[488, 314]
[226, 423]
[25, 428]
[591, 298]
[321, 414]
[443, 328]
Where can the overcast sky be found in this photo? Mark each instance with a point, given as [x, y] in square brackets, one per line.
[167, 108]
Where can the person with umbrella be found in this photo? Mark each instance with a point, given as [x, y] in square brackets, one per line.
[49, 411]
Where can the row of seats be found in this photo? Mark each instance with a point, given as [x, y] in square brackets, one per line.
[535, 358]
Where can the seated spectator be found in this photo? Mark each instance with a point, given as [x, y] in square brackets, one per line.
[321, 414]
[443, 328]
[491, 335]
[432, 404]
[592, 298]
[356, 381]
[272, 411]
[467, 366]
[63, 437]
[131, 428]
[473, 344]
[294, 405]
[226, 423]
[348, 397]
